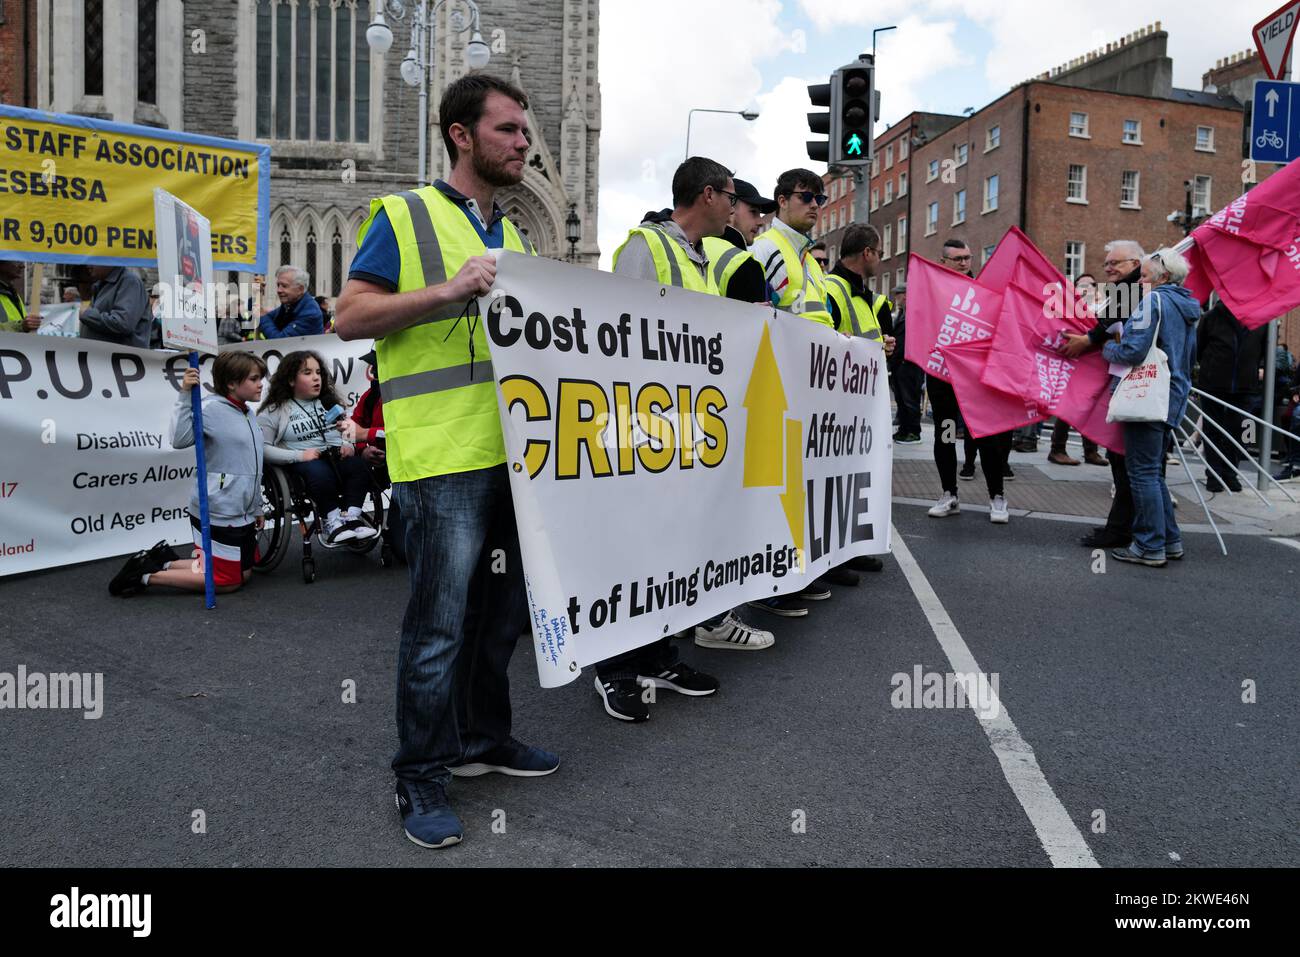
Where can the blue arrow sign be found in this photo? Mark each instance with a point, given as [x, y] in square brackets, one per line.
[1275, 122]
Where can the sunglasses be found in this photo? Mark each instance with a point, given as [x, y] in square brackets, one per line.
[808, 196]
[732, 197]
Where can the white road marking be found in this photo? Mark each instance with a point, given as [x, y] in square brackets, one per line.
[1287, 541]
[1057, 833]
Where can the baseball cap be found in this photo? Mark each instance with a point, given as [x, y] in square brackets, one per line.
[747, 192]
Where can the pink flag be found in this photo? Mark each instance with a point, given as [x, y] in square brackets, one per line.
[1034, 370]
[1084, 399]
[944, 307]
[986, 411]
[1249, 252]
[1016, 253]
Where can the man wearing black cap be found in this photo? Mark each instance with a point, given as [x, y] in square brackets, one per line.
[735, 272]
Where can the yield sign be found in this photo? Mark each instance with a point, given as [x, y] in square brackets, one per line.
[1273, 36]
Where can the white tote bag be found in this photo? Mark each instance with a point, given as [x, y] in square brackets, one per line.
[1143, 394]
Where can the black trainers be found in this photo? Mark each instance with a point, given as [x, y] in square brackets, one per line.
[683, 679]
[841, 576]
[623, 699]
[967, 473]
[787, 606]
[162, 553]
[816, 590]
[1007, 474]
[127, 581]
[866, 563]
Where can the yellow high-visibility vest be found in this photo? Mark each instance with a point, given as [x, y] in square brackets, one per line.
[440, 405]
[863, 316]
[12, 313]
[800, 272]
[672, 266]
[724, 259]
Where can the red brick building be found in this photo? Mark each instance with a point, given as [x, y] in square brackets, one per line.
[1076, 166]
[18, 52]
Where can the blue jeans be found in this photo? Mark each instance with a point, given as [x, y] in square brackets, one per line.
[462, 621]
[1155, 530]
[331, 485]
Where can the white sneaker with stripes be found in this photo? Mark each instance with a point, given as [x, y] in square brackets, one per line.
[733, 633]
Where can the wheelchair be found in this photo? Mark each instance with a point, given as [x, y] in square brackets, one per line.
[286, 504]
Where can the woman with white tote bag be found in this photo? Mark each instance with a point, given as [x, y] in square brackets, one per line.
[1159, 343]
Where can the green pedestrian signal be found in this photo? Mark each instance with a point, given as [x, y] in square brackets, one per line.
[854, 145]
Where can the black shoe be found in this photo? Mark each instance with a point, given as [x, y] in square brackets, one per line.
[906, 438]
[841, 576]
[162, 553]
[1007, 474]
[1286, 472]
[967, 473]
[1213, 485]
[622, 699]
[683, 679]
[1103, 538]
[817, 590]
[866, 563]
[1233, 484]
[787, 606]
[127, 581]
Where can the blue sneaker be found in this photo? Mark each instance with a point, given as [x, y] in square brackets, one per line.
[513, 758]
[427, 816]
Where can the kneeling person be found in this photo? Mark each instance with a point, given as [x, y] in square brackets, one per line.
[232, 447]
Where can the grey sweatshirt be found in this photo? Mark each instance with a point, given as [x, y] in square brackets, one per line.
[290, 429]
[119, 311]
[232, 445]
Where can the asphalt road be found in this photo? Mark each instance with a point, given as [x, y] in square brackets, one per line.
[1127, 685]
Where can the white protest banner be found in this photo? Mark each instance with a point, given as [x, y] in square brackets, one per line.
[59, 320]
[88, 470]
[184, 245]
[673, 455]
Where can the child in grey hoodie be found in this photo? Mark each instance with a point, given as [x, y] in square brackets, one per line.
[232, 446]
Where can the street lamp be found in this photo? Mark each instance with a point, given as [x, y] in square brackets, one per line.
[749, 114]
[416, 63]
[573, 231]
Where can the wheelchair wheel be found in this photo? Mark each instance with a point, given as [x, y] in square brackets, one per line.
[308, 570]
[277, 521]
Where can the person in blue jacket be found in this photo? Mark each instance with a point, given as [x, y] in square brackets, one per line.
[298, 314]
[1169, 315]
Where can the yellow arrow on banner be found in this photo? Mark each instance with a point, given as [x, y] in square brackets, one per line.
[765, 402]
[792, 498]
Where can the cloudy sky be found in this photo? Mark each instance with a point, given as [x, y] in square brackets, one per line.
[660, 59]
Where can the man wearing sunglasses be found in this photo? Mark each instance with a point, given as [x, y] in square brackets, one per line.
[785, 249]
[798, 286]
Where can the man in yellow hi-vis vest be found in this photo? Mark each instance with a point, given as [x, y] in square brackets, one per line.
[797, 285]
[859, 312]
[13, 312]
[420, 264]
[668, 249]
[783, 250]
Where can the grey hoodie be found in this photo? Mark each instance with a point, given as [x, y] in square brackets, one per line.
[232, 446]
